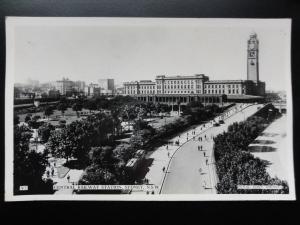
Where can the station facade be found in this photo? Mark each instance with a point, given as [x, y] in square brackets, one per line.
[183, 89]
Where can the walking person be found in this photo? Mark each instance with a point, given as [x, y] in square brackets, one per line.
[204, 154]
[200, 170]
[198, 147]
[163, 169]
[168, 154]
[68, 178]
[206, 161]
[52, 172]
[204, 184]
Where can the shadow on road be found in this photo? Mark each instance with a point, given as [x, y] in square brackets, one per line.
[261, 148]
[263, 142]
[269, 134]
[144, 168]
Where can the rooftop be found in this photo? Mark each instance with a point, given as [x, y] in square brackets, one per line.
[243, 97]
[181, 77]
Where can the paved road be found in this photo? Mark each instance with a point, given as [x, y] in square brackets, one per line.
[188, 172]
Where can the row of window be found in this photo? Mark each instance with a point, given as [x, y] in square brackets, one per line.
[233, 91]
[178, 81]
[148, 92]
[148, 87]
[223, 86]
[178, 92]
[131, 87]
[184, 86]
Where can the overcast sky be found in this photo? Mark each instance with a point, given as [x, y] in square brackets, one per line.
[135, 50]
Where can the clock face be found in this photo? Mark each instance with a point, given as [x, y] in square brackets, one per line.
[251, 45]
[252, 54]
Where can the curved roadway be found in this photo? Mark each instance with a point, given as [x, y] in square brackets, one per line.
[192, 171]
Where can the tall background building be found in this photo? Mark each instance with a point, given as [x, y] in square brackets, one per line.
[252, 59]
[64, 86]
[107, 86]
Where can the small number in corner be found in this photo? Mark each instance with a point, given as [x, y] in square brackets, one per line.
[23, 188]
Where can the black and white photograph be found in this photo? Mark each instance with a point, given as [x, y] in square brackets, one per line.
[176, 109]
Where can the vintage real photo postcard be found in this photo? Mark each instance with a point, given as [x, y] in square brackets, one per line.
[148, 109]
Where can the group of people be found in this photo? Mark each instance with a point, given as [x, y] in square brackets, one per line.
[50, 170]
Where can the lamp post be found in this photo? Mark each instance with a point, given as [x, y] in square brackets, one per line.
[270, 111]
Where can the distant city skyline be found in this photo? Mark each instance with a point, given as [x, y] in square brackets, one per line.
[128, 51]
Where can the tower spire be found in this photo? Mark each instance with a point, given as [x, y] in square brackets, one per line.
[252, 58]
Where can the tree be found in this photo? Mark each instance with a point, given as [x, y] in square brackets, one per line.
[48, 111]
[62, 107]
[140, 124]
[27, 118]
[29, 166]
[96, 175]
[102, 156]
[16, 119]
[76, 139]
[90, 105]
[33, 122]
[44, 132]
[60, 145]
[77, 107]
[235, 165]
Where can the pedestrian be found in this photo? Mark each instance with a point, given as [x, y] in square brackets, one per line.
[201, 147]
[204, 154]
[48, 173]
[168, 154]
[68, 178]
[164, 169]
[54, 164]
[198, 147]
[167, 147]
[206, 161]
[52, 172]
[194, 138]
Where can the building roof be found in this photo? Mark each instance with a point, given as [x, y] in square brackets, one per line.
[224, 81]
[229, 97]
[132, 162]
[181, 77]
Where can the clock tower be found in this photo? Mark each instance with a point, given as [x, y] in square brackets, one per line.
[252, 59]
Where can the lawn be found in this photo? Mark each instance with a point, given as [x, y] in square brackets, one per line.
[70, 116]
